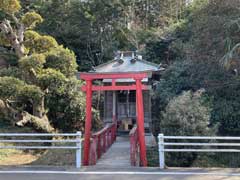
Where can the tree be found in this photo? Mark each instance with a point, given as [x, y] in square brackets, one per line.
[126, 25]
[83, 28]
[15, 91]
[62, 59]
[44, 72]
[13, 28]
[12, 31]
[187, 115]
[209, 31]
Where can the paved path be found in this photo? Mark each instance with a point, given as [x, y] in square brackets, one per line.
[111, 177]
[118, 174]
[118, 155]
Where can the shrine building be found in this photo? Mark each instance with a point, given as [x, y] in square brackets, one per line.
[122, 103]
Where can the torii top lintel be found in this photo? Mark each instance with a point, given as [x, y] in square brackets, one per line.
[114, 76]
[132, 75]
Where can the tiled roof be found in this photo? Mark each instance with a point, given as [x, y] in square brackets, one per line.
[126, 64]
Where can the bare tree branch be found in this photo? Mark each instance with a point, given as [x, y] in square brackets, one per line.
[12, 36]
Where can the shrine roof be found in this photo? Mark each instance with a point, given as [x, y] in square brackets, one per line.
[127, 62]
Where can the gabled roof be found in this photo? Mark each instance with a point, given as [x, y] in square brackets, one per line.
[126, 64]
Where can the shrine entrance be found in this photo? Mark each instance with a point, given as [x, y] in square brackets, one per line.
[126, 110]
[126, 82]
[138, 88]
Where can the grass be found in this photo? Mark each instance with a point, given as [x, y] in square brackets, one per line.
[4, 153]
[12, 157]
[56, 158]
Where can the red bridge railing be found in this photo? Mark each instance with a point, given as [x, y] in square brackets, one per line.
[101, 142]
[134, 147]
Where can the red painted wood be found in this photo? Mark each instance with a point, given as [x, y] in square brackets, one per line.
[134, 146]
[93, 152]
[88, 123]
[115, 88]
[140, 123]
[104, 141]
[104, 135]
[113, 132]
[131, 75]
[98, 139]
[114, 82]
[101, 143]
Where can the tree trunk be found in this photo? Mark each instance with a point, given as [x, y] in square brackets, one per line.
[15, 38]
[40, 124]
[38, 108]
[7, 111]
[18, 47]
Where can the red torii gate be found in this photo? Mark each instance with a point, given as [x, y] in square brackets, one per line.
[89, 78]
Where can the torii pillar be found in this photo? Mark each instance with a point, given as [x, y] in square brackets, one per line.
[88, 122]
[140, 122]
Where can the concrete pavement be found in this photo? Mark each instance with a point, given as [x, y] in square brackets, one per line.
[112, 177]
[91, 173]
[118, 156]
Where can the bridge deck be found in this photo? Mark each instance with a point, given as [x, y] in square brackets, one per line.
[118, 155]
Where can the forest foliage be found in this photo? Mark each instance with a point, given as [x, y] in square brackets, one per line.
[205, 55]
[38, 84]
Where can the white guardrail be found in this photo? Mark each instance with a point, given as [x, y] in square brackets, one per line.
[198, 146]
[77, 140]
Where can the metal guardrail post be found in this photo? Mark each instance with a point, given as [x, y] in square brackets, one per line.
[78, 150]
[161, 151]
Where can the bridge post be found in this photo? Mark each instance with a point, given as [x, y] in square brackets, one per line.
[88, 122]
[140, 122]
[161, 151]
[79, 150]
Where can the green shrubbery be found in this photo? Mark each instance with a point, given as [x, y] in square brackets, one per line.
[40, 88]
[187, 115]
